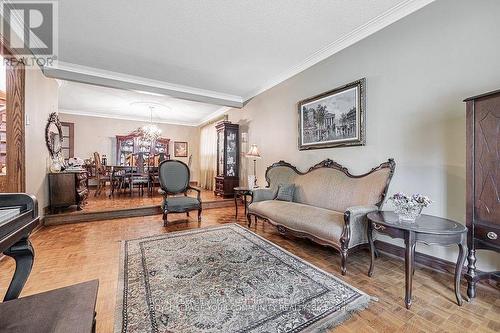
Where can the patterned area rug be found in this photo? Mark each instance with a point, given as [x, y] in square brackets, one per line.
[226, 279]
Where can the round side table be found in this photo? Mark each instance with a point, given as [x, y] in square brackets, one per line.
[426, 229]
[241, 192]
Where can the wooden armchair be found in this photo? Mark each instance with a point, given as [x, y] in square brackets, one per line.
[174, 180]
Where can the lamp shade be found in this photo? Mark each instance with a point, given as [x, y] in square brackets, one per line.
[253, 152]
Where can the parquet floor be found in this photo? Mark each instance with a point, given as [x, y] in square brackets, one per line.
[69, 254]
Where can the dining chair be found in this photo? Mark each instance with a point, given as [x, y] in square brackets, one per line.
[174, 180]
[118, 176]
[139, 180]
[154, 179]
[101, 174]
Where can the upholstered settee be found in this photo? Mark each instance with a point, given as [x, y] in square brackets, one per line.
[329, 204]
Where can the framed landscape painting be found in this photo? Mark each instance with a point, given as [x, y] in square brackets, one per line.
[180, 149]
[335, 118]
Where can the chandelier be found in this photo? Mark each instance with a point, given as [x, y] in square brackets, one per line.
[150, 132]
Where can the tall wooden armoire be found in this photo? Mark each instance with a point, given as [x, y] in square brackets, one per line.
[228, 158]
[483, 182]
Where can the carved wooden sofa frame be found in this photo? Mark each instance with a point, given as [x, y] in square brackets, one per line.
[345, 239]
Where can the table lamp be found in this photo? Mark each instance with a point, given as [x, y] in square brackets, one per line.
[254, 154]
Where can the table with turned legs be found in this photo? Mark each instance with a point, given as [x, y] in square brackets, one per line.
[242, 193]
[426, 229]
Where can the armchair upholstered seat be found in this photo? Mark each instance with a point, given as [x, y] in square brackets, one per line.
[329, 204]
[174, 186]
[181, 204]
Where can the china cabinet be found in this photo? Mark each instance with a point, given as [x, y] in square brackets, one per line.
[228, 155]
[135, 143]
[482, 182]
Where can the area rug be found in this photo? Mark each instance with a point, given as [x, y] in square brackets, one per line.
[226, 279]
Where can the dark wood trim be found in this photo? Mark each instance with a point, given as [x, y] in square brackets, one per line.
[15, 181]
[469, 170]
[482, 95]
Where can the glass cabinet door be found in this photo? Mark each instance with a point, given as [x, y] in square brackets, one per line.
[220, 153]
[231, 151]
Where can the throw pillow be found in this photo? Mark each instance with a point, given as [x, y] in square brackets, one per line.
[285, 192]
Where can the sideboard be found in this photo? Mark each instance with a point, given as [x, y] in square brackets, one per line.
[67, 189]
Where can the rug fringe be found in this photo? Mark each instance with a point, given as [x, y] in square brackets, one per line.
[340, 316]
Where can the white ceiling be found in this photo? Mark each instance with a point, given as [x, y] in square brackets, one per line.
[232, 47]
[199, 55]
[89, 100]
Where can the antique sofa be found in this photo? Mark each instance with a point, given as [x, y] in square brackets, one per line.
[329, 204]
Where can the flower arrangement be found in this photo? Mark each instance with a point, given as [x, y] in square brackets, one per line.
[408, 207]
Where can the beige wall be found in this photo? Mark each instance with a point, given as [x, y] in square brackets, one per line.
[41, 100]
[417, 71]
[99, 134]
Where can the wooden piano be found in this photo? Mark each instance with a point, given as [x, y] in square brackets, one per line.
[68, 309]
[18, 217]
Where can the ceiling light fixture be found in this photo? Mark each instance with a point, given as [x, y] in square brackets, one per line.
[151, 132]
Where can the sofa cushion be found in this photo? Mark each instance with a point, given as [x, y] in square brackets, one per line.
[322, 223]
[285, 192]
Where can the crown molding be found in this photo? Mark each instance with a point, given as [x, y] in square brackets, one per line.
[100, 77]
[214, 115]
[94, 76]
[377, 23]
[217, 113]
[123, 117]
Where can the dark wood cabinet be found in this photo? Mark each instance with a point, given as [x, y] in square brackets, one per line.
[134, 147]
[483, 182]
[67, 189]
[228, 158]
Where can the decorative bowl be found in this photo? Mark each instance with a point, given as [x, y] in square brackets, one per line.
[408, 207]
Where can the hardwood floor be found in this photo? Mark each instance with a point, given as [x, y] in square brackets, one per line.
[69, 254]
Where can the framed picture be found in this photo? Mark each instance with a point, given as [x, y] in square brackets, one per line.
[180, 149]
[335, 118]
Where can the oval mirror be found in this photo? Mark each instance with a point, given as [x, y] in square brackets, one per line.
[53, 135]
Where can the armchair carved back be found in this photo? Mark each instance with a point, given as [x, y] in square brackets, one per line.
[174, 176]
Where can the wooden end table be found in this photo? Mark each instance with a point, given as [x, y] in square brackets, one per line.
[426, 229]
[241, 192]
